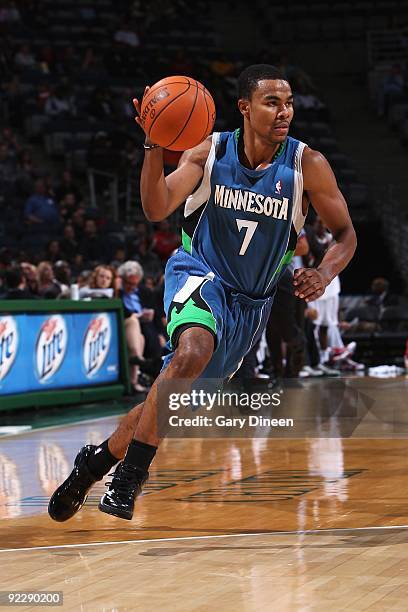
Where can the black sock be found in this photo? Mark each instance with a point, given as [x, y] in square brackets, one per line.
[101, 460]
[140, 455]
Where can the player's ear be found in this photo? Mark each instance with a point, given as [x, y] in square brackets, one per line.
[243, 106]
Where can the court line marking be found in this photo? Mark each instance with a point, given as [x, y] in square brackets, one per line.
[206, 537]
[62, 425]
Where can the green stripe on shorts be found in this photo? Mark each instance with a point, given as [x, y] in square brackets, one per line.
[189, 312]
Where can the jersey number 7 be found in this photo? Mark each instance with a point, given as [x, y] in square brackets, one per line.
[250, 227]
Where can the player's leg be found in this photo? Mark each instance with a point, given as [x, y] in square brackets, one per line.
[193, 356]
[193, 352]
[135, 343]
[334, 338]
[70, 496]
[91, 464]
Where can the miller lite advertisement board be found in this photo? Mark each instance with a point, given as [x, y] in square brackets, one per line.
[58, 351]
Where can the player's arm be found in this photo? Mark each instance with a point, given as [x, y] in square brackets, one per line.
[321, 186]
[161, 195]
[302, 245]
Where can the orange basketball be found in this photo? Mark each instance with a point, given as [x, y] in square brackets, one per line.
[178, 113]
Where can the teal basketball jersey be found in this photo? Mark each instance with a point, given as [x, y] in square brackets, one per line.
[243, 223]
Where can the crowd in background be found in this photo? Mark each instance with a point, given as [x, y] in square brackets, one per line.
[54, 244]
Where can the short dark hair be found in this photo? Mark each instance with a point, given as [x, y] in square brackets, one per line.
[249, 78]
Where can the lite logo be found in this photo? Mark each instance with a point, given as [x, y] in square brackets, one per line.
[51, 347]
[96, 344]
[8, 344]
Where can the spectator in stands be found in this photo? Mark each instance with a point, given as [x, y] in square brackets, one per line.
[8, 136]
[31, 275]
[119, 257]
[68, 61]
[116, 60]
[68, 244]
[48, 286]
[43, 93]
[84, 278]
[391, 88]
[143, 328]
[53, 251]
[131, 274]
[24, 58]
[127, 35]
[131, 155]
[103, 277]
[63, 276]
[141, 231]
[78, 223]
[150, 262]
[46, 57]
[68, 205]
[61, 103]
[124, 109]
[165, 240]
[101, 104]
[93, 68]
[40, 209]
[67, 185]
[9, 13]
[16, 285]
[101, 283]
[380, 294]
[308, 101]
[92, 246]
[25, 173]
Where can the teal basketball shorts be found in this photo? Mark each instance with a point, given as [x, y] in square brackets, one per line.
[195, 297]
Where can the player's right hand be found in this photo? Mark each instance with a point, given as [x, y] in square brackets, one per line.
[136, 104]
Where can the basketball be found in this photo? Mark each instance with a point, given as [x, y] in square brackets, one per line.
[177, 113]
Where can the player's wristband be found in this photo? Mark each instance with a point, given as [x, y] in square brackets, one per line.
[148, 147]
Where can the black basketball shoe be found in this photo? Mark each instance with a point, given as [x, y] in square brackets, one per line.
[71, 495]
[126, 485]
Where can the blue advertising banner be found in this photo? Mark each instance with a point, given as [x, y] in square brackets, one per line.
[58, 351]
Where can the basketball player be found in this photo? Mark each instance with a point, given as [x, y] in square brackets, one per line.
[246, 195]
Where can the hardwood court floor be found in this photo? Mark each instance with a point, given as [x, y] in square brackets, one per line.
[232, 524]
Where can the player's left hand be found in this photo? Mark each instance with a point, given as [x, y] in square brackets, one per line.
[310, 283]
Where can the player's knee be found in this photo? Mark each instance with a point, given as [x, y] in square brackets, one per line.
[193, 353]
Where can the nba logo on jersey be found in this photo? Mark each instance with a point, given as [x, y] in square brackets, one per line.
[8, 344]
[278, 187]
[96, 344]
[51, 347]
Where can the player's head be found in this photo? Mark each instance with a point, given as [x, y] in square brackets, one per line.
[266, 102]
